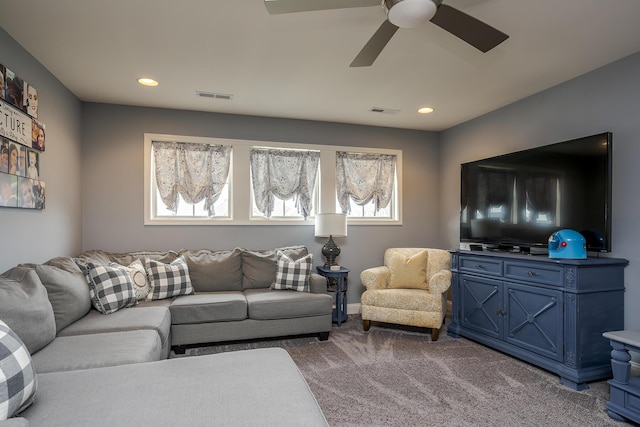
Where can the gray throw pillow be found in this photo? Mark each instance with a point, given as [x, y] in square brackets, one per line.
[25, 307]
[68, 293]
[259, 267]
[214, 271]
[127, 258]
[93, 256]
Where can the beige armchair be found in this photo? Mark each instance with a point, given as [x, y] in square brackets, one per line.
[410, 289]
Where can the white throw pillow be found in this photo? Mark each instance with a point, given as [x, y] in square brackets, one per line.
[138, 276]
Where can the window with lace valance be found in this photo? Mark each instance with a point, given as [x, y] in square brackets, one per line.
[191, 171]
[285, 175]
[365, 178]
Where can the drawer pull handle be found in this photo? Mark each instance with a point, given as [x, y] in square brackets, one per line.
[479, 266]
[531, 274]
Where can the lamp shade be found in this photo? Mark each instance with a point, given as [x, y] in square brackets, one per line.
[331, 224]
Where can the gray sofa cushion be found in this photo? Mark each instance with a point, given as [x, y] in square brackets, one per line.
[156, 303]
[25, 307]
[67, 290]
[244, 388]
[267, 304]
[97, 350]
[15, 422]
[259, 267]
[317, 284]
[208, 307]
[154, 318]
[99, 257]
[127, 258]
[214, 271]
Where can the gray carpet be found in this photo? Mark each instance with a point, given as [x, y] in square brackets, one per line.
[395, 376]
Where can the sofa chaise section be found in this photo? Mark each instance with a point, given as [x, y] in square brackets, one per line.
[74, 352]
[252, 387]
[148, 318]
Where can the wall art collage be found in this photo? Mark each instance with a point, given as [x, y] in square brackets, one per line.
[22, 143]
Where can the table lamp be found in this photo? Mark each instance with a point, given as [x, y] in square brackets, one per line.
[330, 225]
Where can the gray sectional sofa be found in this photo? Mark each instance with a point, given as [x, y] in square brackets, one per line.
[110, 369]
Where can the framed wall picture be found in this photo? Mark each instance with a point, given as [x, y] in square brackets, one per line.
[4, 155]
[37, 135]
[22, 142]
[8, 190]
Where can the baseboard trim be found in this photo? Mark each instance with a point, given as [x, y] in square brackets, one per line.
[353, 308]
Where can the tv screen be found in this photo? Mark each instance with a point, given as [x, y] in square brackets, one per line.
[516, 201]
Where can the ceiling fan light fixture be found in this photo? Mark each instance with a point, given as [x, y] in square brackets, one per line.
[410, 13]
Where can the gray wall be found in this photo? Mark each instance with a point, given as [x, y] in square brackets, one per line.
[607, 99]
[35, 236]
[112, 159]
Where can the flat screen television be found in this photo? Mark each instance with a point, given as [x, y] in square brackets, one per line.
[516, 201]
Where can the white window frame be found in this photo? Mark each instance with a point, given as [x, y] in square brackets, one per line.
[240, 209]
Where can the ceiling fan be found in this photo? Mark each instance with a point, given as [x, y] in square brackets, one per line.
[402, 14]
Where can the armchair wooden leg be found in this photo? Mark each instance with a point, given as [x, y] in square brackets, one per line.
[435, 333]
[366, 324]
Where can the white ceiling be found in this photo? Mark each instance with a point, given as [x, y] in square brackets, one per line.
[297, 65]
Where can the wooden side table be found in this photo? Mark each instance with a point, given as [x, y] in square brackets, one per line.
[624, 400]
[340, 276]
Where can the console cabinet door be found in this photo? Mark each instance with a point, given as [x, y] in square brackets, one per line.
[481, 305]
[534, 319]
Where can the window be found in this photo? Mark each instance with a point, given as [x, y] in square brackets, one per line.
[191, 179]
[368, 211]
[284, 181]
[197, 210]
[366, 184]
[235, 202]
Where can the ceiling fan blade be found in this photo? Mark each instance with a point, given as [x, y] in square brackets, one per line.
[275, 7]
[374, 46]
[478, 34]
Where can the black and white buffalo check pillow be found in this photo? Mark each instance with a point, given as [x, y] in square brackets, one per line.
[17, 375]
[168, 280]
[292, 274]
[110, 288]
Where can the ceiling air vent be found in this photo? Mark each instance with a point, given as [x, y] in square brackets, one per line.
[384, 110]
[213, 95]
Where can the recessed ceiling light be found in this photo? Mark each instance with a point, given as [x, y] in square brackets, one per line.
[425, 110]
[146, 81]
